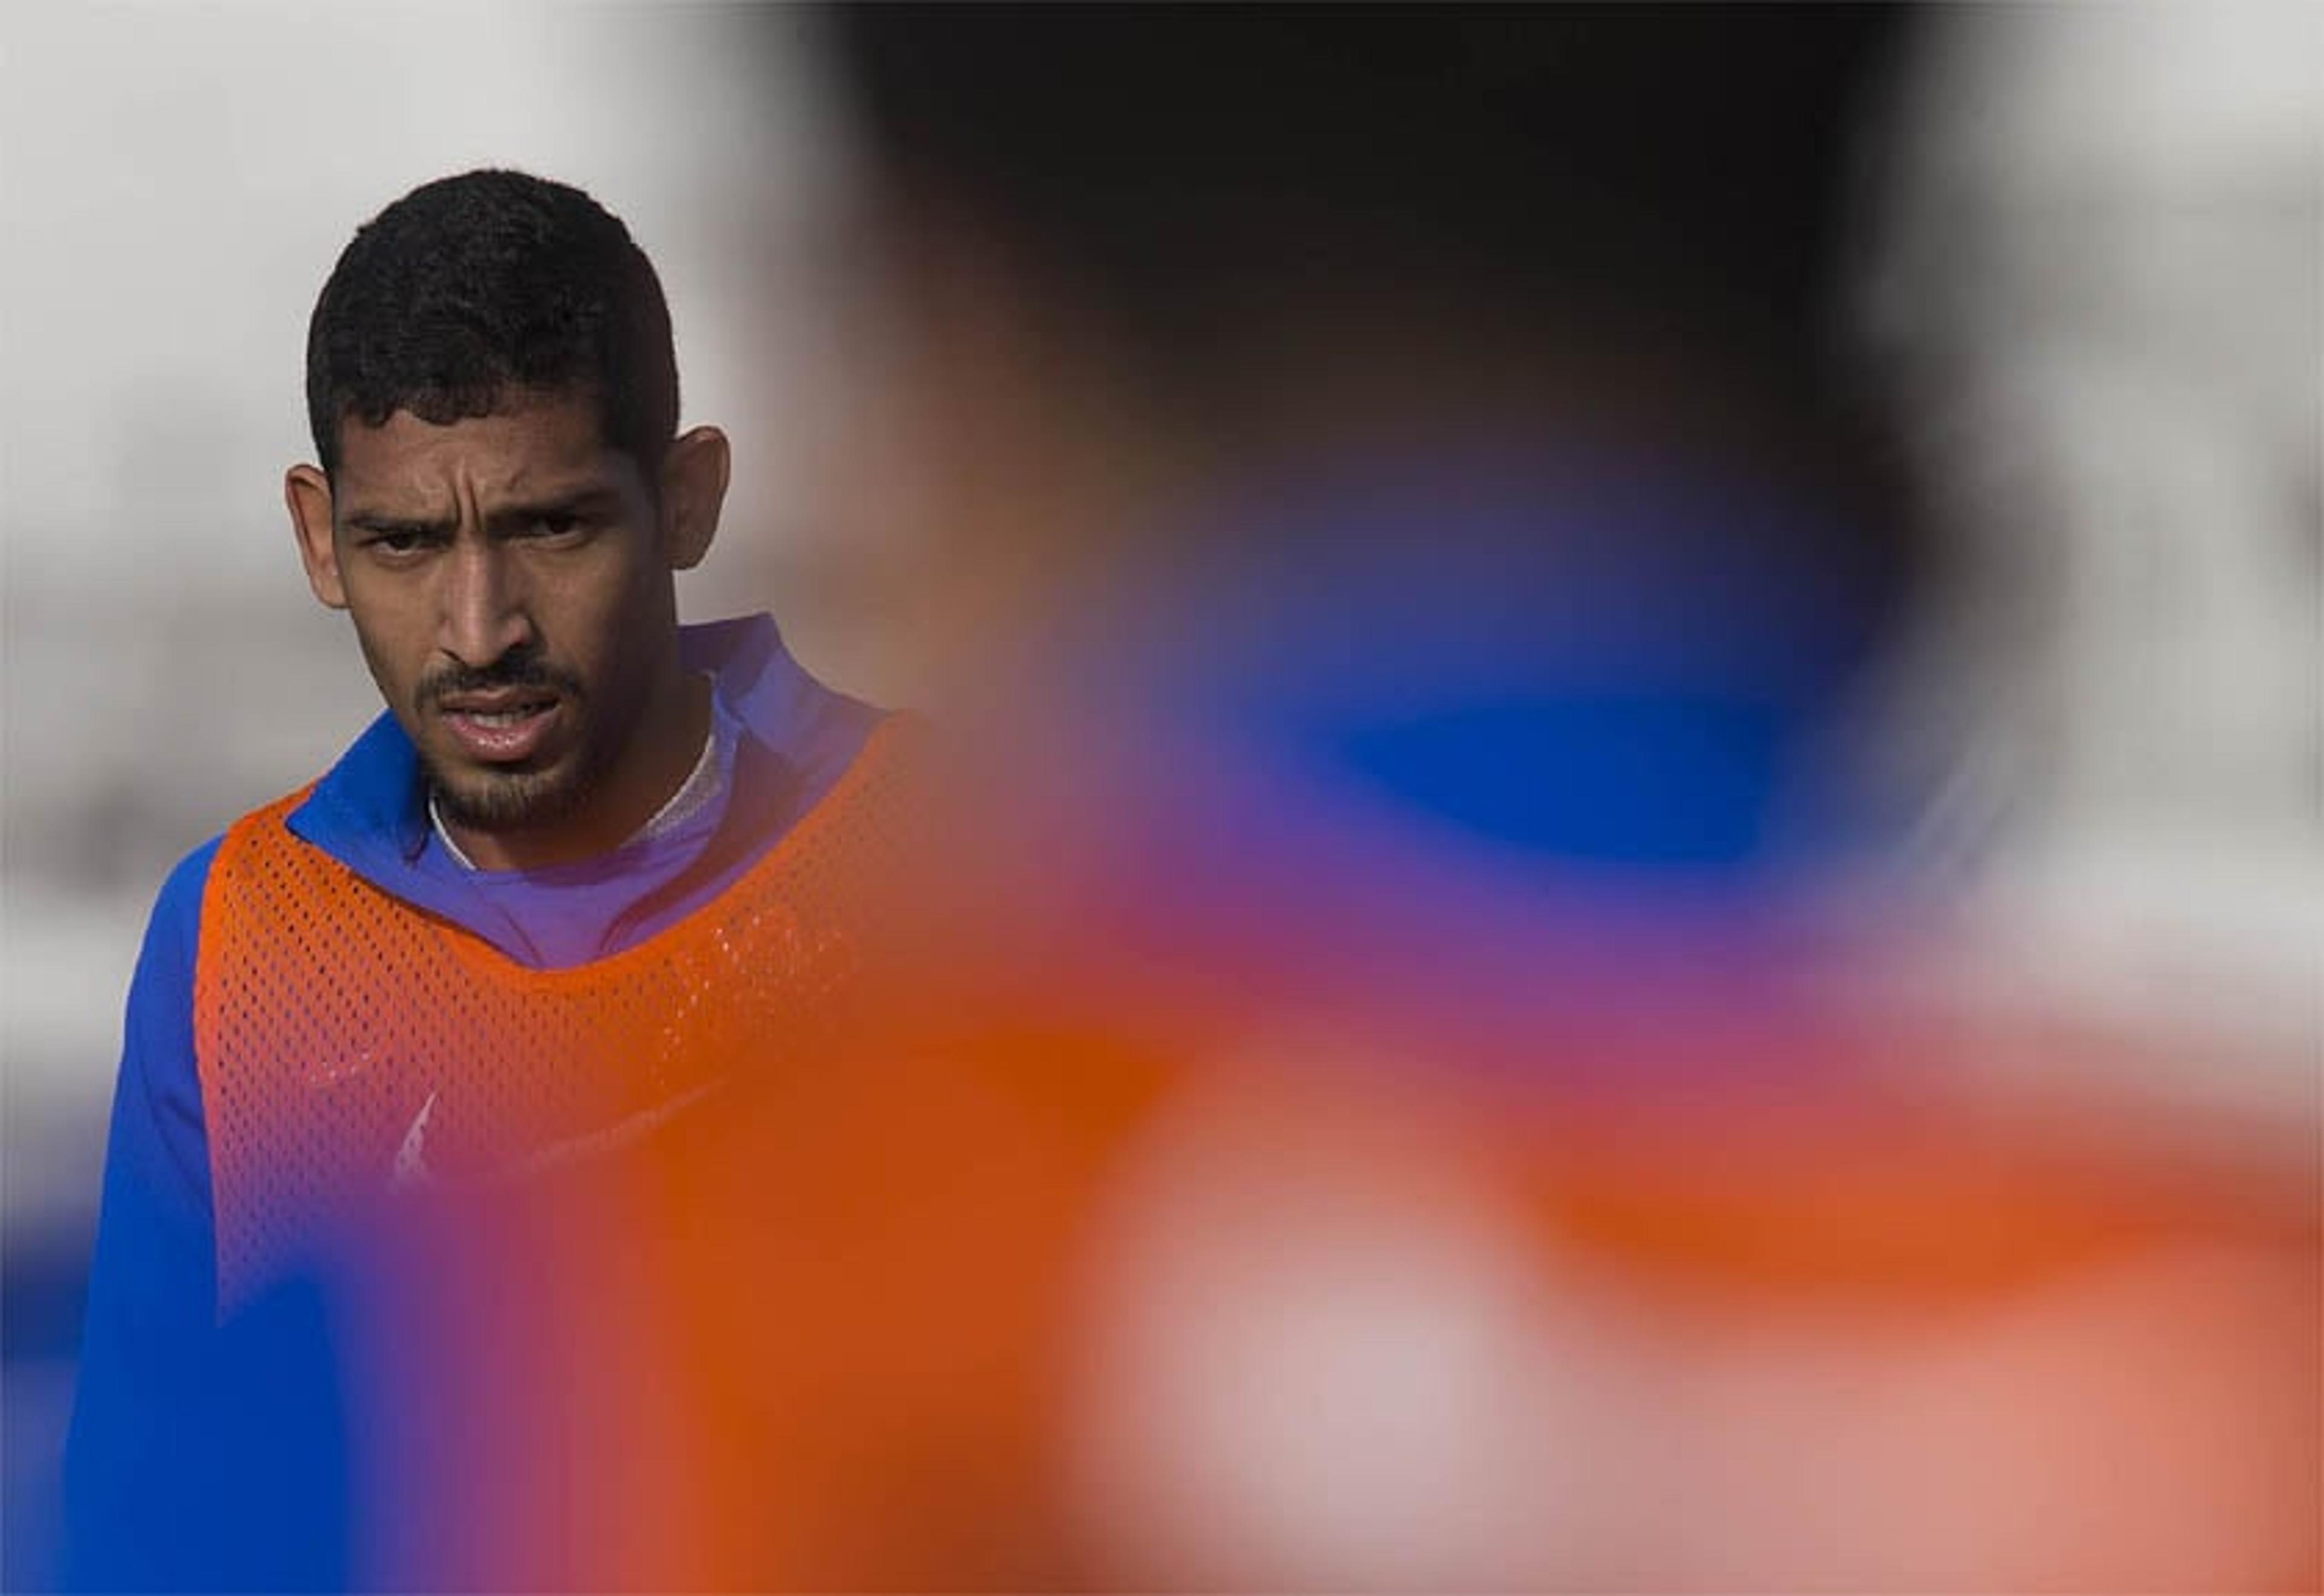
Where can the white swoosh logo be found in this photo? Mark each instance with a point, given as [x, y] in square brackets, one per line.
[410, 1167]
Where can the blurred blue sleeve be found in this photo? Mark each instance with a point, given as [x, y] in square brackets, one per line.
[199, 1457]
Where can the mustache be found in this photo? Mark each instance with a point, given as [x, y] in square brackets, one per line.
[516, 668]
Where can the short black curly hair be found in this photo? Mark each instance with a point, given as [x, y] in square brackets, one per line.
[471, 286]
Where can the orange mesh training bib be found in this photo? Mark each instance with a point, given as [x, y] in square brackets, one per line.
[349, 1044]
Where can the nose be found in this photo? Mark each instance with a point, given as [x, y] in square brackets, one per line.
[482, 612]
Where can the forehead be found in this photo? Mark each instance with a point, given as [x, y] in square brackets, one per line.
[535, 445]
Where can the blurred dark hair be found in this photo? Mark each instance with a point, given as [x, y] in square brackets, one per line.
[1662, 162]
[473, 285]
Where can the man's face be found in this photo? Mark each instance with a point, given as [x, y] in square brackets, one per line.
[509, 584]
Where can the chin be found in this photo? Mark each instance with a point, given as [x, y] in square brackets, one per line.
[506, 800]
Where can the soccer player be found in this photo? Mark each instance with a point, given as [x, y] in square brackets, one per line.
[523, 919]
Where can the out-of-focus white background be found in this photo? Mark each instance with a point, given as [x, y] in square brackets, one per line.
[2098, 271]
[2098, 278]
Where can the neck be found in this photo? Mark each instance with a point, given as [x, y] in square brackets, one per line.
[667, 744]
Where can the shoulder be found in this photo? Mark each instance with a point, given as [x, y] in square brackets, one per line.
[176, 920]
[173, 931]
[158, 1074]
[164, 979]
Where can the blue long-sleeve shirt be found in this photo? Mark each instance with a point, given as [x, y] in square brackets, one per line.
[204, 1456]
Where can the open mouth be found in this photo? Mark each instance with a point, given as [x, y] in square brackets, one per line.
[500, 728]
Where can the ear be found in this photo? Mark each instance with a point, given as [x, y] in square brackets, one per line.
[308, 492]
[693, 492]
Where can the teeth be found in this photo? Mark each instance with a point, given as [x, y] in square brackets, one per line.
[500, 717]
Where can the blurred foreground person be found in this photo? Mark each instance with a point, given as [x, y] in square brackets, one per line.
[577, 873]
[1379, 1090]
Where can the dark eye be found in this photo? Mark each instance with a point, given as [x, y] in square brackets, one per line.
[398, 542]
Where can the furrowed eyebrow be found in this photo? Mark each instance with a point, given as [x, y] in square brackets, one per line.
[364, 521]
[581, 502]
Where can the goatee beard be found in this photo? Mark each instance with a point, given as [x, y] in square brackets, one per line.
[513, 801]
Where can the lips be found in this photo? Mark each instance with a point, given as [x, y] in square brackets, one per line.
[501, 727]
